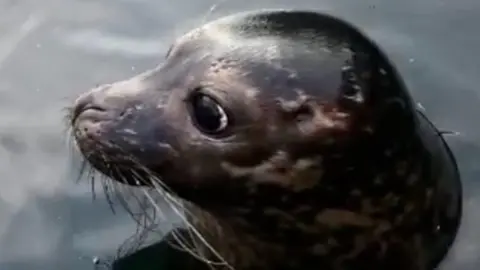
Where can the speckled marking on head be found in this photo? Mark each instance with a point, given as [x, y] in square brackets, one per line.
[340, 218]
[310, 160]
[297, 175]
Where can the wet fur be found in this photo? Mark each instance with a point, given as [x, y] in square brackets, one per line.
[368, 223]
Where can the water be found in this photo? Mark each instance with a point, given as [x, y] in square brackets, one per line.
[52, 50]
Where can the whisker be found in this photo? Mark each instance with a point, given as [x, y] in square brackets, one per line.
[82, 169]
[92, 187]
[193, 229]
[146, 218]
[108, 197]
[197, 234]
[160, 187]
[449, 133]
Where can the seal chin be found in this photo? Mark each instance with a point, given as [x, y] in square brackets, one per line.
[120, 139]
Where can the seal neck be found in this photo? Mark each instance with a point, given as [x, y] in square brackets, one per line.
[358, 217]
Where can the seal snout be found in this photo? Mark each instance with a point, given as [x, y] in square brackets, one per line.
[85, 105]
[89, 116]
[105, 106]
[122, 123]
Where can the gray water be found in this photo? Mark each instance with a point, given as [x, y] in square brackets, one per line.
[52, 50]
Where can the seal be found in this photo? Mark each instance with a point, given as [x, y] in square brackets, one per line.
[292, 141]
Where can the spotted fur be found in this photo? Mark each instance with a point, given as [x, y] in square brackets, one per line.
[326, 165]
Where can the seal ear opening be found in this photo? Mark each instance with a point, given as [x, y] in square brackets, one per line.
[387, 93]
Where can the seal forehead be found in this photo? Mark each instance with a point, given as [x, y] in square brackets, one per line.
[274, 65]
[237, 31]
[277, 61]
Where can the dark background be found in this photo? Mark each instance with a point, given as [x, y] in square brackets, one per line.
[52, 50]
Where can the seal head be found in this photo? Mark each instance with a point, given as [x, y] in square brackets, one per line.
[292, 135]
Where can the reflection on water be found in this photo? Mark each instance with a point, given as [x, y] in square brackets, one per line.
[52, 51]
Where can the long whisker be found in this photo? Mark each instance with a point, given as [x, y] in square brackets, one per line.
[173, 204]
[144, 220]
[197, 234]
[159, 186]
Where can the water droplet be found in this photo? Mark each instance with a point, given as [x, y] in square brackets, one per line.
[38, 45]
[450, 133]
[420, 107]
[411, 60]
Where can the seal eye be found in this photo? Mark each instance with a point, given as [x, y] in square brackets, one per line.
[208, 114]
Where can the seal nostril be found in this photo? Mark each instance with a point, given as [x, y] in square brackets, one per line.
[83, 107]
[95, 107]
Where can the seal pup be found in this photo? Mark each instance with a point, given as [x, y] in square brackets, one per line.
[291, 140]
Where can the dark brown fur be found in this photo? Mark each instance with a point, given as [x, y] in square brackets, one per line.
[326, 163]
